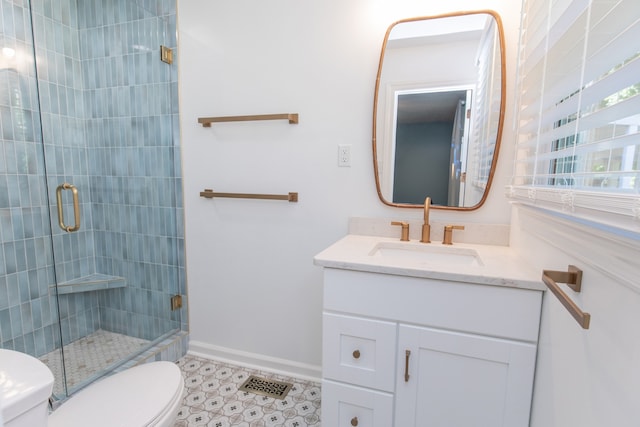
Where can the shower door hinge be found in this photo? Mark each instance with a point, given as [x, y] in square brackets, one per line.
[176, 302]
[166, 54]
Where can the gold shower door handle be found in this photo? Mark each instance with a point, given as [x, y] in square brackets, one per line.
[76, 207]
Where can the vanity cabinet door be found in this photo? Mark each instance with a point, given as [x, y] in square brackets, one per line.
[462, 380]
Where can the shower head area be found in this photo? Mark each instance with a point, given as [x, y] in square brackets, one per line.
[91, 210]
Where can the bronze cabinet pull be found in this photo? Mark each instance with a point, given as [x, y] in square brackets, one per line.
[354, 421]
[356, 354]
[407, 354]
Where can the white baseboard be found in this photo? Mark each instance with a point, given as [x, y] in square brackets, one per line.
[256, 361]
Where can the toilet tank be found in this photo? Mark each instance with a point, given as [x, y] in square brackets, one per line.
[25, 386]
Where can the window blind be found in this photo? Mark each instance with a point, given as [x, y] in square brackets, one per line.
[487, 103]
[578, 115]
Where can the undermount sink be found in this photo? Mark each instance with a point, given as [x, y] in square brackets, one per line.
[426, 253]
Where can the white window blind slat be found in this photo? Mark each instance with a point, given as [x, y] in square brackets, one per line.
[606, 15]
[528, 144]
[486, 107]
[623, 78]
[558, 111]
[551, 133]
[537, 25]
[623, 46]
[536, 28]
[613, 142]
[534, 61]
[578, 144]
[619, 111]
[530, 101]
[563, 16]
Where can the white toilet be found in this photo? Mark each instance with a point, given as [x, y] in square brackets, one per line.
[145, 395]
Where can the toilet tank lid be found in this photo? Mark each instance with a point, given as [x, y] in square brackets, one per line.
[25, 382]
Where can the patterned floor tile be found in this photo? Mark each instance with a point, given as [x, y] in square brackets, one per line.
[213, 399]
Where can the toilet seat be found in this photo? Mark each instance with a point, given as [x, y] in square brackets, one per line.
[145, 395]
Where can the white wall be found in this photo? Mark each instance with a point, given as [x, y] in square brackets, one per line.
[588, 378]
[252, 284]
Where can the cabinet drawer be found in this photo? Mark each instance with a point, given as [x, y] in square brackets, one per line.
[346, 406]
[498, 311]
[359, 351]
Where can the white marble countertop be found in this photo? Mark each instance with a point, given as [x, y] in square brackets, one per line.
[498, 266]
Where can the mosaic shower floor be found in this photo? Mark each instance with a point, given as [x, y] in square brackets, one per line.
[213, 399]
[90, 355]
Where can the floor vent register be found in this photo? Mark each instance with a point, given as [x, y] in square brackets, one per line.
[265, 387]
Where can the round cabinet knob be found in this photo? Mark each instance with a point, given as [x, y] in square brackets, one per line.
[354, 421]
[356, 355]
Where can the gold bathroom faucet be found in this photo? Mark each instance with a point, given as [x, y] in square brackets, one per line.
[405, 230]
[426, 227]
[448, 233]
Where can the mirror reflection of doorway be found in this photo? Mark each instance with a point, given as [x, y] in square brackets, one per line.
[431, 129]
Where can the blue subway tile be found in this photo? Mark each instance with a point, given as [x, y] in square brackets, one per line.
[95, 89]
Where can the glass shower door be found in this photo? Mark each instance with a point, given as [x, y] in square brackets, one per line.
[28, 309]
[107, 111]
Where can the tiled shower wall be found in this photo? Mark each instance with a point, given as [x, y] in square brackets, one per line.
[111, 132]
[61, 89]
[27, 311]
[134, 159]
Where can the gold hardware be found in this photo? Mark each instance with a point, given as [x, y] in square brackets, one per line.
[426, 228]
[377, 140]
[406, 365]
[405, 230]
[208, 193]
[356, 354]
[166, 54]
[76, 207]
[573, 279]
[206, 121]
[354, 421]
[448, 233]
[176, 302]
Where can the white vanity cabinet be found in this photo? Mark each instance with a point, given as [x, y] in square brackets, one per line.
[407, 351]
[463, 380]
